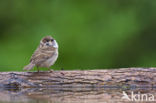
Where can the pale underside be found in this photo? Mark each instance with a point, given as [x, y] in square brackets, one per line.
[44, 57]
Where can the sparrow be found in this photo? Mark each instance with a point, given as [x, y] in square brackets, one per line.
[45, 55]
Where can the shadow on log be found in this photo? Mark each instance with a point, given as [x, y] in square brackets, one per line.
[36, 95]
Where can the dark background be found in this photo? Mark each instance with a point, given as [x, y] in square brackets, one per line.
[92, 34]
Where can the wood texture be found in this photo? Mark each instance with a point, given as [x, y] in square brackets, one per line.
[114, 78]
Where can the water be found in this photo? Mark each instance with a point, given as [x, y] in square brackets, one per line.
[77, 95]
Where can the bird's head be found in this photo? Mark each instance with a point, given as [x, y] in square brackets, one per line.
[48, 41]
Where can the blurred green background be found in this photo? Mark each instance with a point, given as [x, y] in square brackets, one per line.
[92, 34]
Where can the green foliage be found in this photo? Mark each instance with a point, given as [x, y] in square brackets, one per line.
[92, 34]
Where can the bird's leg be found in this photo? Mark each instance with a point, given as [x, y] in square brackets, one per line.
[38, 70]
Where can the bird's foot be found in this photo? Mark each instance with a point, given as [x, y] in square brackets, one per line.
[51, 70]
[62, 73]
[38, 71]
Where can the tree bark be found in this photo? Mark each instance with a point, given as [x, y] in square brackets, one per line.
[79, 79]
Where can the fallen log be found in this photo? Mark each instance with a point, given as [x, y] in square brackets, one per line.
[114, 78]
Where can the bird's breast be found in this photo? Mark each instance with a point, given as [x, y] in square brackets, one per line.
[49, 62]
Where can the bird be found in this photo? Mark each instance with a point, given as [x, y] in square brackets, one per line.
[45, 55]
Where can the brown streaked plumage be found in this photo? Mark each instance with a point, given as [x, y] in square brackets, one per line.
[45, 55]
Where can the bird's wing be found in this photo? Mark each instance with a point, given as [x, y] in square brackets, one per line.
[39, 56]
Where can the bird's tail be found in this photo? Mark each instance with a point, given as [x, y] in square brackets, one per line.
[29, 66]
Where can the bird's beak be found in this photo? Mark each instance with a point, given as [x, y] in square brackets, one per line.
[50, 43]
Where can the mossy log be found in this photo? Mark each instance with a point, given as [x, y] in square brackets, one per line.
[114, 78]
